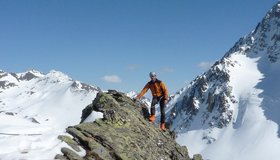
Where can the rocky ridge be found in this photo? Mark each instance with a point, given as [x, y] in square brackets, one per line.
[123, 133]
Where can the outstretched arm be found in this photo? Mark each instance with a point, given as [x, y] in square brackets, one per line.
[144, 90]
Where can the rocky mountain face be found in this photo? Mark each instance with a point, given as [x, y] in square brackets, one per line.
[123, 133]
[235, 104]
[211, 93]
[264, 40]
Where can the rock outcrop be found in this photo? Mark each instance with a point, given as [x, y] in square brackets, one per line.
[123, 133]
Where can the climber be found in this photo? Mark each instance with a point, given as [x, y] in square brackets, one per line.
[160, 95]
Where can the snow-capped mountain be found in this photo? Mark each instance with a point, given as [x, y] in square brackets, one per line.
[35, 108]
[145, 100]
[232, 110]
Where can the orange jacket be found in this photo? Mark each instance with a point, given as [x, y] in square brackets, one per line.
[158, 89]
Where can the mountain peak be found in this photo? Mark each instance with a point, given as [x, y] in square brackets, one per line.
[29, 75]
[34, 71]
[276, 8]
[58, 76]
[273, 14]
[216, 108]
[264, 40]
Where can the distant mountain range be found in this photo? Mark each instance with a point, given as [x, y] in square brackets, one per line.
[35, 108]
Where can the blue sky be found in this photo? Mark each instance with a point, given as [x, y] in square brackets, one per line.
[114, 44]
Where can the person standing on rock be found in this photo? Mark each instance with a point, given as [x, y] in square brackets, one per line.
[160, 95]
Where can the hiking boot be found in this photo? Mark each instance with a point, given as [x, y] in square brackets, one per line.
[162, 127]
[152, 118]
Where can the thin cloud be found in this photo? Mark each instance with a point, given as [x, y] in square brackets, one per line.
[168, 70]
[132, 67]
[112, 79]
[205, 65]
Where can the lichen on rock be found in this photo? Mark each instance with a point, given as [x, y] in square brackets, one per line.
[123, 132]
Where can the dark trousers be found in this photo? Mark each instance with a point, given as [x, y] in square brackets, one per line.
[162, 107]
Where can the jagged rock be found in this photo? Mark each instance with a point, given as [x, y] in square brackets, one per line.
[197, 157]
[5, 84]
[32, 119]
[207, 96]
[60, 157]
[83, 86]
[86, 112]
[124, 132]
[69, 154]
[73, 144]
[10, 113]
[28, 76]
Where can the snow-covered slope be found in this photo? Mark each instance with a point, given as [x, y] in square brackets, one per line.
[232, 110]
[145, 100]
[35, 108]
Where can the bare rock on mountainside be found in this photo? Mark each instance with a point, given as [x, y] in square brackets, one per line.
[122, 133]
